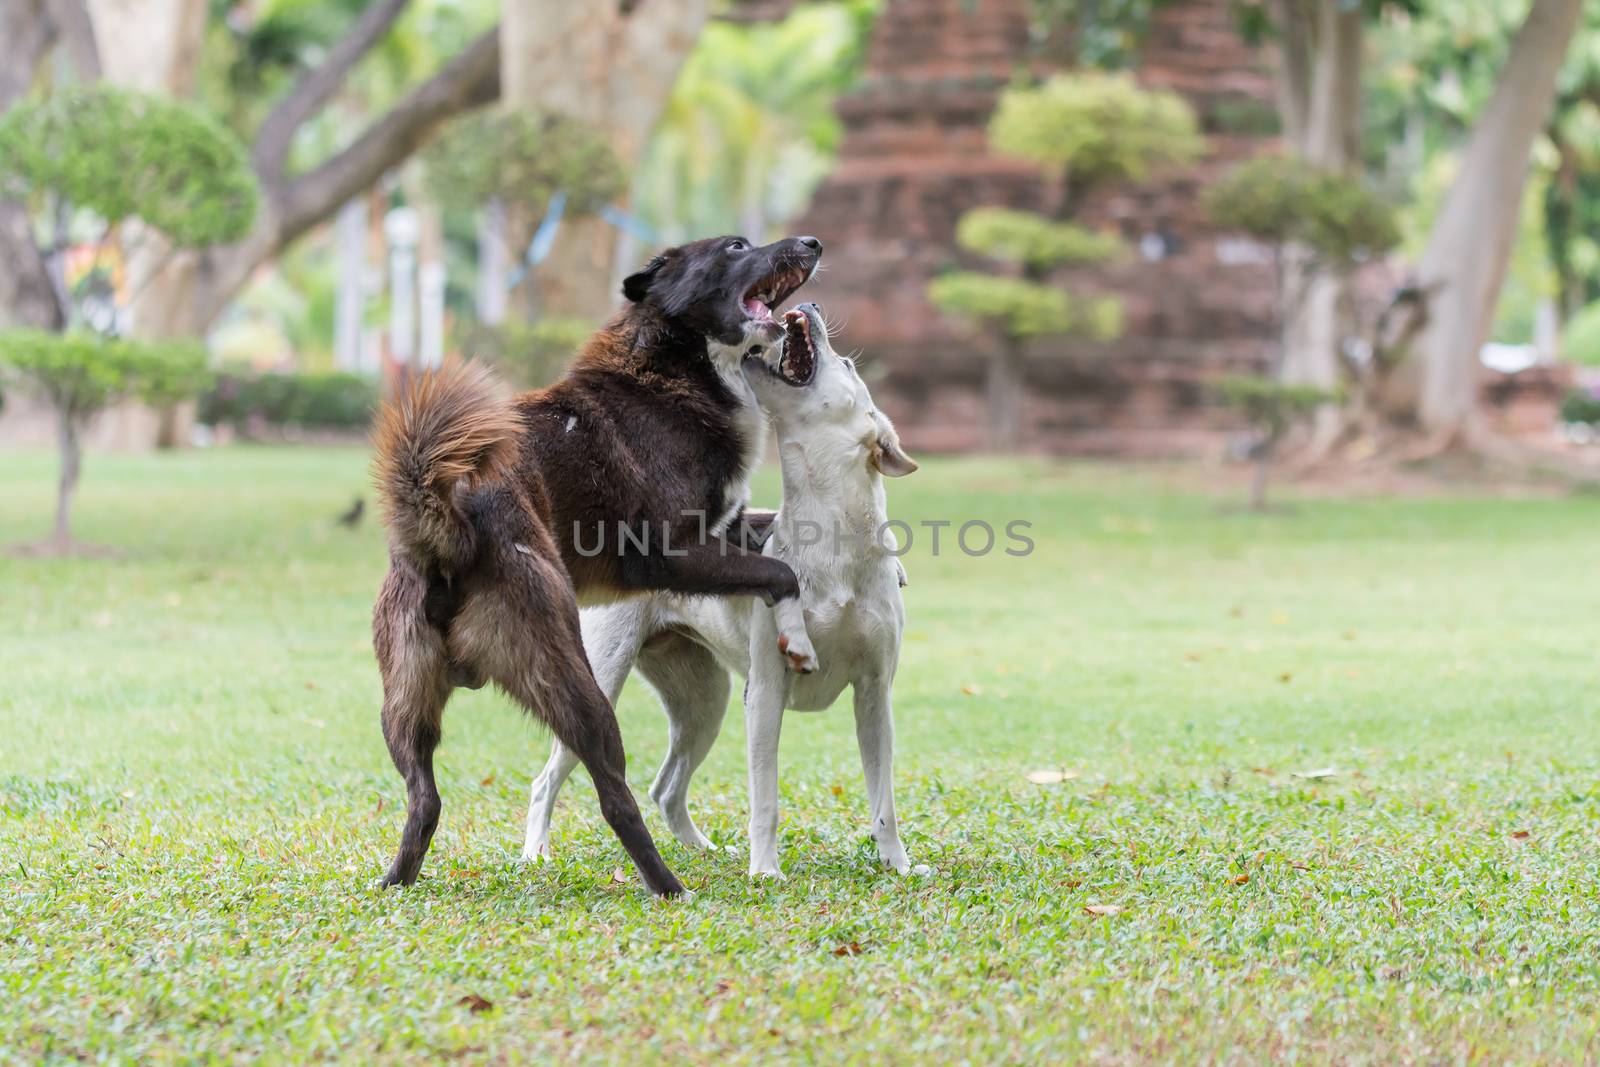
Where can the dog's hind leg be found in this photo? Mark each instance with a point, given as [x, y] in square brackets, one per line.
[611, 638]
[416, 685]
[526, 633]
[875, 737]
[566, 697]
[693, 688]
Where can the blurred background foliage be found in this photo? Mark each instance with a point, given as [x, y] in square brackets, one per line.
[750, 129]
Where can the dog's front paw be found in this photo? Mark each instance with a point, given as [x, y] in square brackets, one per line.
[798, 654]
[762, 872]
[537, 852]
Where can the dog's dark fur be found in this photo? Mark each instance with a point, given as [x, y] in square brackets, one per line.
[485, 497]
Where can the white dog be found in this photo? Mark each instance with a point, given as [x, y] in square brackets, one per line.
[833, 446]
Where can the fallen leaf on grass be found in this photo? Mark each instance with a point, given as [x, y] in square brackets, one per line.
[1051, 777]
[475, 1004]
[1520, 835]
[1300, 866]
[836, 790]
[619, 876]
[489, 780]
[1320, 772]
[849, 948]
[1286, 676]
[971, 690]
[1104, 909]
[1239, 880]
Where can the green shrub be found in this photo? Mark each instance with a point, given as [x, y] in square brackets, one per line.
[310, 401]
[122, 155]
[1581, 405]
[80, 374]
[1282, 200]
[522, 159]
[1022, 309]
[1272, 406]
[1095, 127]
[1030, 240]
[531, 355]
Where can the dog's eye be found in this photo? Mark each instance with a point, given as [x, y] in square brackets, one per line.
[737, 246]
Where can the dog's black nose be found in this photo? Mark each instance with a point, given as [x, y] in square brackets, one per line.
[811, 243]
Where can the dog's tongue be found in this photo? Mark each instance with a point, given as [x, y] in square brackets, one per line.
[758, 311]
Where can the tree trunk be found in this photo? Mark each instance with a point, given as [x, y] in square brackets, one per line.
[26, 296]
[350, 303]
[612, 66]
[493, 266]
[157, 51]
[1320, 86]
[1006, 388]
[1469, 246]
[70, 440]
[1259, 473]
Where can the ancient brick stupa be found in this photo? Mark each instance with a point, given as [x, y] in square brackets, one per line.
[914, 158]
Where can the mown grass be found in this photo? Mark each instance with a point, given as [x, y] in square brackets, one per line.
[194, 798]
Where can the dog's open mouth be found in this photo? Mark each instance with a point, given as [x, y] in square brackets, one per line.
[799, 360]
[762, 299]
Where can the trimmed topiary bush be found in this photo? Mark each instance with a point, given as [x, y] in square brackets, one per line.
[122, 155]
[80, 375]
[1281, 200]
[522, 159]
[1272, 408]
[1080, 129]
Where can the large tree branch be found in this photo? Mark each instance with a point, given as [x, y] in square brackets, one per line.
[470, 80]
[295, 205]
[1296, 26]
[277, 132]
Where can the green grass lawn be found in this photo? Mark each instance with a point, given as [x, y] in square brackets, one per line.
[195, 799]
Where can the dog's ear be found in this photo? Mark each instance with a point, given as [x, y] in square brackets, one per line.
[884, 452]
[636, 286]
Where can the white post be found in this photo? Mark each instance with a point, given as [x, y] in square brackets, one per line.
[350, 237]
[430, 285]
[401, 227]
[493, 265]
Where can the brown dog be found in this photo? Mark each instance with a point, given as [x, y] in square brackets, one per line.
[622, 477]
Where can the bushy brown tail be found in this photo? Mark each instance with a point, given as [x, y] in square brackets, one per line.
[448, 427]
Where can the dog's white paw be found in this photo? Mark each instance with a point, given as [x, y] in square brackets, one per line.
[762, 872]
[798, 654]
[918, 870]
[537, 852]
